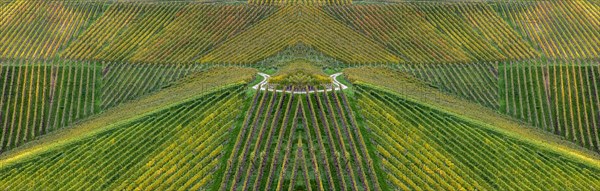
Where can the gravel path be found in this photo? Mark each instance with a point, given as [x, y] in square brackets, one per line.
[336, 84]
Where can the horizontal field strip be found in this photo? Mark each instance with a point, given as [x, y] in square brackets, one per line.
[300, 2]
[189, 32]
[298, 52]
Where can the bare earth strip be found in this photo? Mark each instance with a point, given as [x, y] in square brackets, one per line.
[417, 91]
[187, 90]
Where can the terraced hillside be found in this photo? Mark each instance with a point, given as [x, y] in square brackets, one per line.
[299, 95]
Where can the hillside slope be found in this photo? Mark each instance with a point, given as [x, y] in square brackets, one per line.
[559, 97]
[38, 97]
[412, 89]
[176, 147]
[185, 90]
[299, 142]
[358, 33]
[300, 24]
[421, 147]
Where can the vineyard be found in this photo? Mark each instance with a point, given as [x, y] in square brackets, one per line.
[300, 95]
[300, 24]
[299, 73]
[146, 154]
[40, 97]
[411, 88]
[415, 32]
[299, 141]
[454, 154]
[39, 29]
[555, 96]
[477, 82]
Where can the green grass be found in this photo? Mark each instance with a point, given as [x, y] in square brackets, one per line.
[251, 91]
[269, 71]
[330, 70]
[350, 90]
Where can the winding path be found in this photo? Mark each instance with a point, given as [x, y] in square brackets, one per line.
[336, 84]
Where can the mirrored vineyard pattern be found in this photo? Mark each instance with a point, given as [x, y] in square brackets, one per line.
[300, 95]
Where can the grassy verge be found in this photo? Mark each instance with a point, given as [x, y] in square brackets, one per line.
[269, 71]
[330, 71]
[350, 90]
[257, 79]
